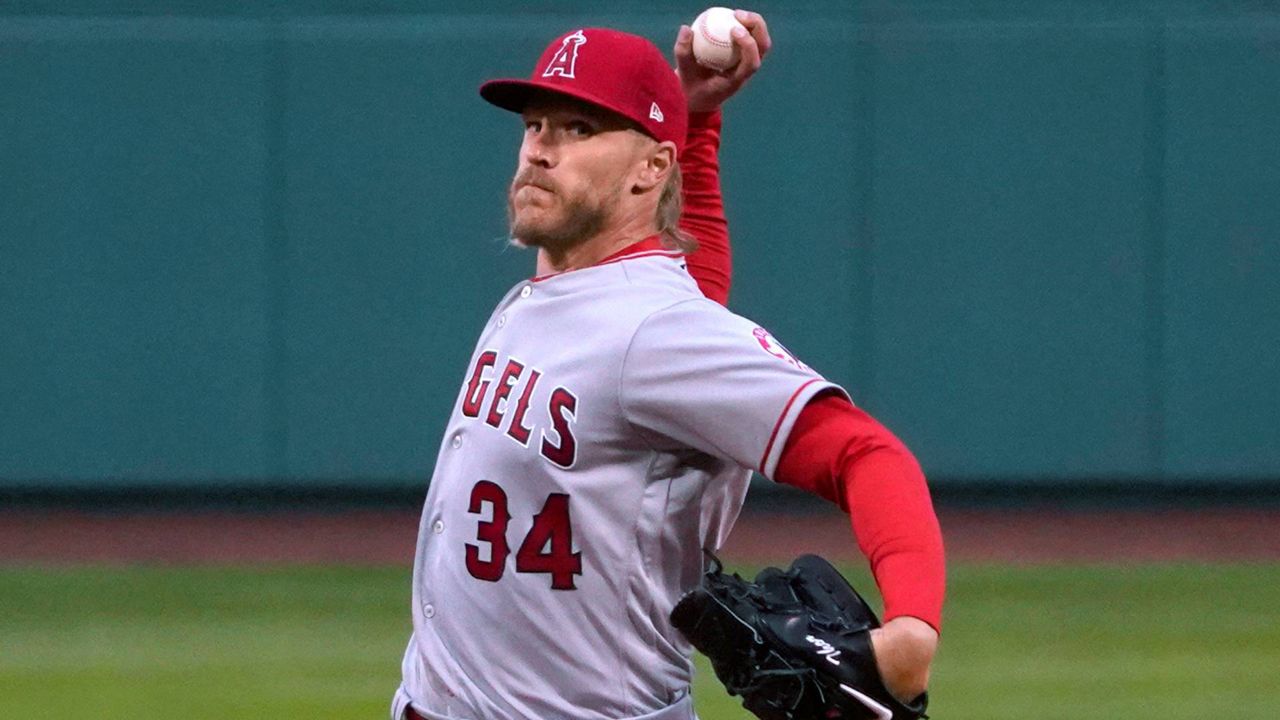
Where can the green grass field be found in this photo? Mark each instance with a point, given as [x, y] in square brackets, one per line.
[1164, 641]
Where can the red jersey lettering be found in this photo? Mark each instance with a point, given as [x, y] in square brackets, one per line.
[475, 388]
[518, 431]
[562, 406]
[500, 394]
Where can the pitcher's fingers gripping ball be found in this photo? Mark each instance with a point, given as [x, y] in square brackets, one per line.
[719, 54]
[714, 38]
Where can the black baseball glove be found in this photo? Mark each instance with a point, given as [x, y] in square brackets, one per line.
[796, 645]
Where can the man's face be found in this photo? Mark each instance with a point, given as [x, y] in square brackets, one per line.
[575, 166]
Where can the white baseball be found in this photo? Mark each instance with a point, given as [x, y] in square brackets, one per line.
[713, 44]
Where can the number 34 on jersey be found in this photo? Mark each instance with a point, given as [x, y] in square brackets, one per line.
[548, 548]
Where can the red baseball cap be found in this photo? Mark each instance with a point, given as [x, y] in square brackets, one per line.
[617, 71]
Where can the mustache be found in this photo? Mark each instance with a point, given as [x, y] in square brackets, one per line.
[534, 177]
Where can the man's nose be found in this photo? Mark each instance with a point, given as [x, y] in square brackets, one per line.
[538, 152]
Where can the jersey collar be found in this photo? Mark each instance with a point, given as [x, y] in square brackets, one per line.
[647, 247]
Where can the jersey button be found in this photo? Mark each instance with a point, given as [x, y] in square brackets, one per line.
[457, 441]
[429, 611]
[526, 291]
[438, 527]
[502, 320]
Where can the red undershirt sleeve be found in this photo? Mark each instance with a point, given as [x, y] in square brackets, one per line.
[842, 454]
[703, 214]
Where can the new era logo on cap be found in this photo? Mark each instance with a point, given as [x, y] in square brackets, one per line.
[655, 112]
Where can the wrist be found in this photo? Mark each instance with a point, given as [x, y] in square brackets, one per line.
[904, 648]
[705, 119]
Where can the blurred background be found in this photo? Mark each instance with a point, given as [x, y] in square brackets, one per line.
[246, 248]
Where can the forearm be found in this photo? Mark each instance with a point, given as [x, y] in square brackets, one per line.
[844, 455]
[896, 528]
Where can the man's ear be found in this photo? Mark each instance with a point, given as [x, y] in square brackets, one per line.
[657, 165]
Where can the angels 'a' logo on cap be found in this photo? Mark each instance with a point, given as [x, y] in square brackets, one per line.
[655, 112]
[565, 61]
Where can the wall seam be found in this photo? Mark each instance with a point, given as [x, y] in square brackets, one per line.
[1154, 152]
[275, 385]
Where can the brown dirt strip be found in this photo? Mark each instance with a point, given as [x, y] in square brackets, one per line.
[387, 537]
[1045, 536]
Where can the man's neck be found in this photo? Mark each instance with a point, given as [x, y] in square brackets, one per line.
[591, 251]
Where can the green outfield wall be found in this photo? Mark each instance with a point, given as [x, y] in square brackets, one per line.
[249, 243]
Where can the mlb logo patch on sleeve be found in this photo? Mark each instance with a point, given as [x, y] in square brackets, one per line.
[771, 345]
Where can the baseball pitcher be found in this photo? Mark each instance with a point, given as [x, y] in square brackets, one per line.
[608, 423]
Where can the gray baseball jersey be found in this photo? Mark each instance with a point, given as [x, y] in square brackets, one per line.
[604, 435]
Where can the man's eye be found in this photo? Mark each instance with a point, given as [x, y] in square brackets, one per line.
[532, 125]
[580, 129]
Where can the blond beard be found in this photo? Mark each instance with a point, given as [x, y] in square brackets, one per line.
[579, 221]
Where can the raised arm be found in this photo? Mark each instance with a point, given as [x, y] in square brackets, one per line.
[707, 90]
